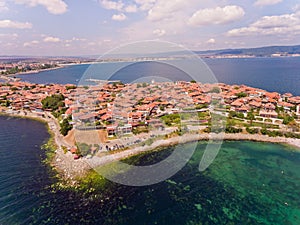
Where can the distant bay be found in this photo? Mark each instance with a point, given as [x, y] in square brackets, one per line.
[273, 74]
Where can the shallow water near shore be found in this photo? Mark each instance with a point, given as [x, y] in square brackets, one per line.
[248, 183]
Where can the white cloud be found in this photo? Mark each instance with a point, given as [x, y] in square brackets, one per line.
[3, 6]
[159, 32]
[118, 6]
[75, 39]
[14, 24]
[51, 39]
[266, 2]
[164, 17]
[287, 24]
[78, 39]
[131, 9]
[119, 17]
[107, 4]
[31, 43]
[53, 6]
[9, 36]
[296, 8]
[163, 9]
[217, 15]
[211, 41]
[145, 4]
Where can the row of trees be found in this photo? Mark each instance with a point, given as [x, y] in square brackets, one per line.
[55, 103]
[65, 126]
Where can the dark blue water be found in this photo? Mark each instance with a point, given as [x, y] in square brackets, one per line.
[273, 74]
[249, 183]
[23, 176]
[65, 75]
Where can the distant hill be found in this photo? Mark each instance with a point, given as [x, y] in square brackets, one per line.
[255, 52]
[258, 52]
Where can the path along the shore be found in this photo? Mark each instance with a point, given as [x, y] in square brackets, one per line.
[70, 169]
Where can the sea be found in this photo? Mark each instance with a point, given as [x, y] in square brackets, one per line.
[272, 74]
[248, 182]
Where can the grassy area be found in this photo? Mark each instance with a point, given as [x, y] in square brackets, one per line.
[264, 125]
[140, 130]
[171, 120]
[92, 181]
[236, 122]
[50, 146]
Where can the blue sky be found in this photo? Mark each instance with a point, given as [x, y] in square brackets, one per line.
[88, 27]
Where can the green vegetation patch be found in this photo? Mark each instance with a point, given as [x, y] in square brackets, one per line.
[65, 127]
[171, 119]
[53, 102]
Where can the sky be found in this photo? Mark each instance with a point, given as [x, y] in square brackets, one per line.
[91, 27]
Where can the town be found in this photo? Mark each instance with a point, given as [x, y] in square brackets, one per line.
[22, 67]
[117, 116]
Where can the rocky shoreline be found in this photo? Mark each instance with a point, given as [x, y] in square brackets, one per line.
[70, 170]
[190, 138]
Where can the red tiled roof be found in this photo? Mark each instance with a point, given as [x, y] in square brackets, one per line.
[285, 104]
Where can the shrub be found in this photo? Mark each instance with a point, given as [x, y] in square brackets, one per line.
[252, 131]
[65, 127]
[241, 95]
[233, 130]
[287, 119]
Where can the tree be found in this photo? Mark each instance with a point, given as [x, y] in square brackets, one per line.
[241, 95]
[53, 102]
[232, 130]
[215, 90]
[287, 119]
[252, 131]
[171, 119]
[14, 89]
[251, 117]
[293, 126]
[65, 127]
[7, 103]
[71, 87]
[83, 149]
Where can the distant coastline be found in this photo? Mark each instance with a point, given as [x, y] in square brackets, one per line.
[36, 71]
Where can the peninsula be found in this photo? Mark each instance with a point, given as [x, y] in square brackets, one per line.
[112, 120]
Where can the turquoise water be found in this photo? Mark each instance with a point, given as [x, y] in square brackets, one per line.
[248, 183]
[265, 73]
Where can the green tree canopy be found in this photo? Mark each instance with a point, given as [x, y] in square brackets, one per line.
[215, 90]
[53, 102]
[65, 127]
[241, 94]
